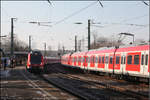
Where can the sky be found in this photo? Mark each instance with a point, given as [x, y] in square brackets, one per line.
[113, 18]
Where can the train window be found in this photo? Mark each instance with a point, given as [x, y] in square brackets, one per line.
[146, 59]
[106, 59]
[103, 59]
[129, 59]
[110, 60]
[117, 59]
[142, 60]
[96, 59]
[122, 60]
[136, 59]
[99, 60]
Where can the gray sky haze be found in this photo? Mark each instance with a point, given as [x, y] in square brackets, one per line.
[115, 17]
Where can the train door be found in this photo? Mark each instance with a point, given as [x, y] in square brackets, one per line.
[145, 63]
[123, 62]
[79, 61]
[92, 62]
[117, 63]
[106, 62]
[75, 60]
[101, 64]
[82, 61]
[111, 63]
[133, 63]
[88, 61]
[85, 63]
[96, 62]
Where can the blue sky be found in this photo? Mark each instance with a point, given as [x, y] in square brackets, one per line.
[123, 12]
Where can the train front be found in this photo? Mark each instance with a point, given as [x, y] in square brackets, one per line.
[35, 61]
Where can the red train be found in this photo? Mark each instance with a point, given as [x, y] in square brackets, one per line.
[125, 61]
[35, 61]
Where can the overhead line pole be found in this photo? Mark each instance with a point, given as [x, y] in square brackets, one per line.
[89, 21]
[75, 43]
[29, 43]
[45, 49]
[12, 36]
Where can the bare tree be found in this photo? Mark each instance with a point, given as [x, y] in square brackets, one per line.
[18, 44]
[104, 42]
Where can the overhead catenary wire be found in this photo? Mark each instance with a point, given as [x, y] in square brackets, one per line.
[145, 3]
[134, 18]
[75, 13]
[125, 20]
[100, 3]
[49, 2]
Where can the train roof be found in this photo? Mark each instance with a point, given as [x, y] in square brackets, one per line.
[121, 49]
[112, 49]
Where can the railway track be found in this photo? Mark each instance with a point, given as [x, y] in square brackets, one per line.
[72, 83]
[62, 87]
[101, 84]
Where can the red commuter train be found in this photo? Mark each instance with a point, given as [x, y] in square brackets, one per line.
[35, 61]
[124, 61]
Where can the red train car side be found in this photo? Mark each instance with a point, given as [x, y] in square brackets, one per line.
[128, 61]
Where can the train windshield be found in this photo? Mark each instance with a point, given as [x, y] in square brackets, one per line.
[36, 58]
